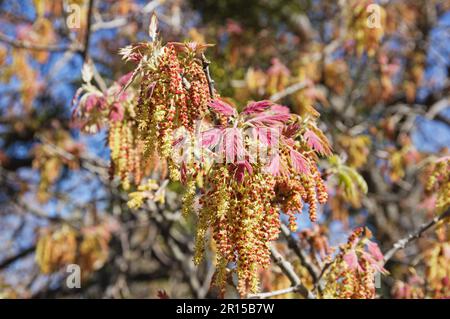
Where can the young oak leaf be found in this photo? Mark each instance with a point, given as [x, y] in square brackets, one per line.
[210, 138]
[299, 162]
[274, 165]
[223, 108]
[316, 143]
[257, 107]
[351, 259]
[266, 135]
[242, 166]
[233, 145]
[270, 120]
[375, 251]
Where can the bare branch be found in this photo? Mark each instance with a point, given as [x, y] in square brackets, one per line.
[206, 63]
[401, 244]
[306, 262]
[288, 91]
[87, 36]
[39, 47]
[288, 270]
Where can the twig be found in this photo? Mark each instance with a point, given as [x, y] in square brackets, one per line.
[87, 36]
[38, 47]
[288, 91]
[274, 293]
[98, 78]
[288, 270]
[401, 244]
[300, 253]
[8, 261]
[206, 64]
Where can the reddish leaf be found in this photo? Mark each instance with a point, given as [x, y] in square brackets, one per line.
[270, 120]
[274, 165]
[351, 260]
[211, 137]
[233, 145]
[242, 166]
[222, 107]
[375, 251]
[299, 162]
[162, 294]
[257, 107]
[291, 129]
[314, 142]
[117, 112]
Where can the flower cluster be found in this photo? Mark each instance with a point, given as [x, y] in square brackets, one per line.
[437, 262]
[60, 247]
[366, 25]
[253, 178]
[411, 289]
[241, 170]
[58, 151]
[56, 248]
[439, 182]
[173, 93]
[352, 272]
[434, 281]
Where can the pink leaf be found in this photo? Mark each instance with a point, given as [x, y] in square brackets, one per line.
[94, 102]
[91, 102]
[274, 165]
[125, 78]
[352, 260]
[375, 251]
[243, 166]
[256, 107]
[117, 112]
[280, 109]
[270, 120]
[211, 137]
[222, 107]
[299, 162]
[314, 141]
[233, 145]
[377, 265]
[267, 136]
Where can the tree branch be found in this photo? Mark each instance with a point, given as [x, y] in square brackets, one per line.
[8, 261]
[288, 91]
[39, 47]
[288, 270]
[401, 244]
[206, 64]
[300, 253]
[87, 36]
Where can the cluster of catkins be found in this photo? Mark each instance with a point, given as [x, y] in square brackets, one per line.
[265, 165]
[439, 182]
[58, 247]
[366, 22]
[114, 108]
[241, 170]
[351, 275]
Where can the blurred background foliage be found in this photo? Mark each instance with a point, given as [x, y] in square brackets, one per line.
[382, 95]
